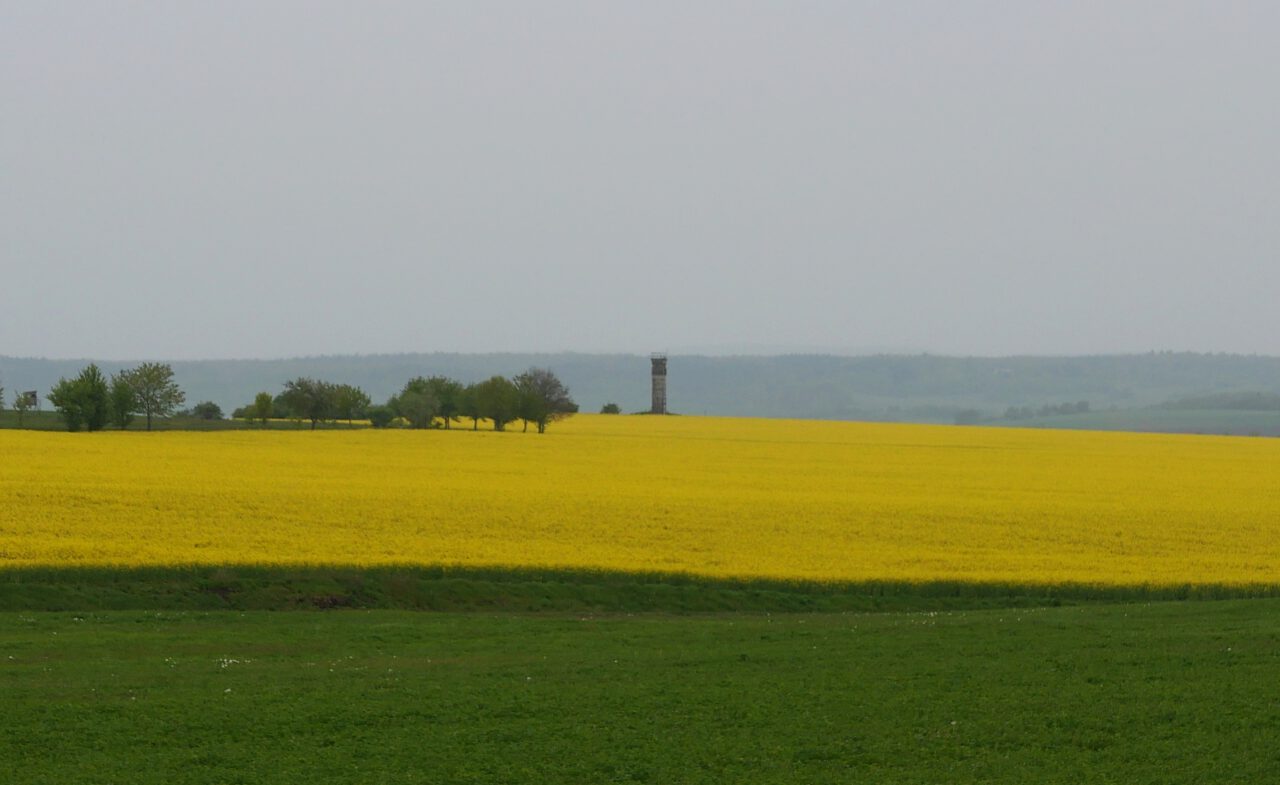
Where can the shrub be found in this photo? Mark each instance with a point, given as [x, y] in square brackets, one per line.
[379, 416]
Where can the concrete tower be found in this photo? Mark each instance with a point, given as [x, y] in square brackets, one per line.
[659, 383]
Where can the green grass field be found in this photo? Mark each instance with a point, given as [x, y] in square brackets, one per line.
[52, 421]
[1157, 420]
[1128, 693]
[485, 589]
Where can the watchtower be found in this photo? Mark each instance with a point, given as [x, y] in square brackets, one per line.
[659, 362]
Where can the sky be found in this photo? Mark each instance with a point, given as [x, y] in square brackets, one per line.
[183, 180]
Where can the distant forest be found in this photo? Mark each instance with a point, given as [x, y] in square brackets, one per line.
[919, 388]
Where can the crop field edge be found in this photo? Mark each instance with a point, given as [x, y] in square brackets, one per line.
[526, 589]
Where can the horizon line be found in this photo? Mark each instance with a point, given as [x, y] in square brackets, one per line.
[644, 355]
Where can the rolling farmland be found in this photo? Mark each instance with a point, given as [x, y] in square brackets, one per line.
[142, 579]
[711, 497]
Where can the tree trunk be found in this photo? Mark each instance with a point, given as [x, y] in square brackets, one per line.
[148, 419]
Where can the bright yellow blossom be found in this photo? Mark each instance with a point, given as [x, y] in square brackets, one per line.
[711, 496]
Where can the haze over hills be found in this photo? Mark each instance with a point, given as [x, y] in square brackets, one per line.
[183, 181]
[923, 388]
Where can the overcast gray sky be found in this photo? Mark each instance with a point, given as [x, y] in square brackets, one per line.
[263, 179]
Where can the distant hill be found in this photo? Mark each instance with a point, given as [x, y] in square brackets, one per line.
[1250, 401]
[923, 388]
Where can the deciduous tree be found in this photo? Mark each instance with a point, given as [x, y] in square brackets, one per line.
[158, 394]
[418, 407]
[469, 405]
[310, 399]
[543, 398]
[21, 404]
[380, 416]
[83, 401]
[448, 395]
[498, 400]
[350, 402]
[262, 406]
[424, 399]
[207, 410]
[123, 401]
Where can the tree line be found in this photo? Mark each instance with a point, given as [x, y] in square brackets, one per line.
[535, 397]
[93, 400]
[1048, 410]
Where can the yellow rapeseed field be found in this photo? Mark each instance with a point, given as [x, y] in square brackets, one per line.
[712, 496]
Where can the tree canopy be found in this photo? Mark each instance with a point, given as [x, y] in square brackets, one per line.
[207, 410]
[448, 395]
[310, 399]
[498, 401]
[350, 402]
[21, 404]
[418, 407]
[158, 394]
[416, 403]
[84, 400]
[262, 407]
[542, 397]
[123, 400]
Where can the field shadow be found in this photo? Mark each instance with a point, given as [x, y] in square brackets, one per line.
[523, 589]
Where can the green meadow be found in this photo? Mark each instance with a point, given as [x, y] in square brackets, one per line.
[1166, 692]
